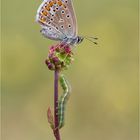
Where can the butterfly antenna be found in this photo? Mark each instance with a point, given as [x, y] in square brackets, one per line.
[91, 39]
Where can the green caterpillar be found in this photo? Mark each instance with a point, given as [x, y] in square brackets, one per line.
[63, 100]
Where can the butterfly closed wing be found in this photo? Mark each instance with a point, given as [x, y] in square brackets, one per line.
[58, 21]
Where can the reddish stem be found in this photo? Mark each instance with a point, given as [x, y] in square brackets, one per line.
[56, 120]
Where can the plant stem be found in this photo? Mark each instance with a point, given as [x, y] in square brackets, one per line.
[56, 121]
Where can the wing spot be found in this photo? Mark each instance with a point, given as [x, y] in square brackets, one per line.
[51, 3]
[62, 11]
[64, 6]
[68, 16]
[56, 8]
[47, 7]
[59, 2]
[43, 19]
[49, 22]
[50, 28]
[54, 1]
[44, 13]
[69, 26]
[62, 26]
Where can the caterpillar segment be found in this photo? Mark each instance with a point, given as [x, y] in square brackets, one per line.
[63, 100]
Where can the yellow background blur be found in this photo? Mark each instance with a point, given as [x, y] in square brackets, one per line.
[104, 79]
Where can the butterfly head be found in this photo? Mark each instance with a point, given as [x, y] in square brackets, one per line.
[80, 39]
[73, 41]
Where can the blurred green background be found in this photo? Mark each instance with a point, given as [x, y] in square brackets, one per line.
[104, 79]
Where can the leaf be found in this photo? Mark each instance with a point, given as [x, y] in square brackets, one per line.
[50, 118]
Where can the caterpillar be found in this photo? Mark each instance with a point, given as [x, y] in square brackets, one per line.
[63, 100]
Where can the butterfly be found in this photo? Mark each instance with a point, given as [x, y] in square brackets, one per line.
[58, 21]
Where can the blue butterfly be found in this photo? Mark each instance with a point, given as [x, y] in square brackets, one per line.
[58, 21]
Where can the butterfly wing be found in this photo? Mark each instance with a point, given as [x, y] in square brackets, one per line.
[57, 19]
[65, 18]
[44, 18]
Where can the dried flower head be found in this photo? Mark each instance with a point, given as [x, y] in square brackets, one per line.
[60, 57]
